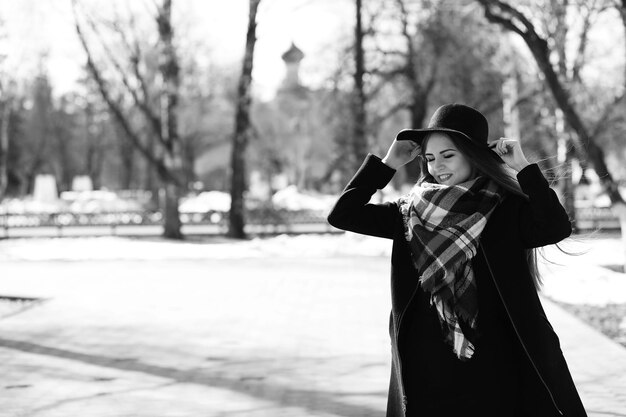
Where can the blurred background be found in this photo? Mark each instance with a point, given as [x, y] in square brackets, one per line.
[144, 107]
[169, 140]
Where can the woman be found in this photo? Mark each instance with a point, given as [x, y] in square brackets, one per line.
[469, 334]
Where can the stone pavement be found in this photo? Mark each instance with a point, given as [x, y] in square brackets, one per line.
[249, 337]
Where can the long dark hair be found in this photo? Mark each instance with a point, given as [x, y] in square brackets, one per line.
[484, 162]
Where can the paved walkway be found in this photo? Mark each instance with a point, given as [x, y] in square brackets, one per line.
[252, 337]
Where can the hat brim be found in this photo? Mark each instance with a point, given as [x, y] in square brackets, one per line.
[418, 136]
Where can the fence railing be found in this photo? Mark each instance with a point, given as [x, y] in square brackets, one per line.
[146, 222]
[594, 218]
[215, 222]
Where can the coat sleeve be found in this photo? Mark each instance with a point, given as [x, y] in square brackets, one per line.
[542, 219]
[353, 211]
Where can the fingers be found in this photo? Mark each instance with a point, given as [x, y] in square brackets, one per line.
[409, 144]
[415, 148]
[408, 147]
[503, 145]
[401, 152]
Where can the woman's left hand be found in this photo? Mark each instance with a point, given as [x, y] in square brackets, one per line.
[510, 150]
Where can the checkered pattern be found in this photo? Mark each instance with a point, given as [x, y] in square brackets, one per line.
[443, 226]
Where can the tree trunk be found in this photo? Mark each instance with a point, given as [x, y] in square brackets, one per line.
[621, 8]
[359, 138]
[242, 132]
[91, 142]
[173, 161]
[5, 120]
[171, 216]
[94, 152]
[128, 162]
[160, 145]
[620, 209]
[64, 169]
[97, 164]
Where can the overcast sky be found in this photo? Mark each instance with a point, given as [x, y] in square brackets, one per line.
[33, 27]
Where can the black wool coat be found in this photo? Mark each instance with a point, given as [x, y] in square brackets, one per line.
[515, 225]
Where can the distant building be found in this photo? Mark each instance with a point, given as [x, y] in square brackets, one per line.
[292, 143]
[292, 58]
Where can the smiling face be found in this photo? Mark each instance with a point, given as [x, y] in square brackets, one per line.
[446, 163]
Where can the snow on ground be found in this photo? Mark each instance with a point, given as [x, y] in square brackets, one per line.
[583, 277]
[576, 279]
[121, 248]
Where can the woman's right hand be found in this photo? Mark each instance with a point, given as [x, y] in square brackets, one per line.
[400, 153]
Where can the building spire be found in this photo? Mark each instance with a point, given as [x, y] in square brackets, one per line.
[292, 58]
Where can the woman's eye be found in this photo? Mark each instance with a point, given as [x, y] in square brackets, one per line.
[430, 160]
[448, 156]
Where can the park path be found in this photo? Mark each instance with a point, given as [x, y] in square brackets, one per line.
[234, 337]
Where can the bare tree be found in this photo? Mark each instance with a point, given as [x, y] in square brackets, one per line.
[424, 51]
[95, 138]
[420, 82]
[5, 117]
[173, 158]
[515, 21]
[243, 131]
[420, 62]
[620, 5]
[359, 136]
[568, 72]
[38, 134]
[161, 146]
[63, 153]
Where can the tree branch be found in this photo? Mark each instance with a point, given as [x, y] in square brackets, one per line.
[141, 102]
[508, 23]
[409, 67]
[135, 57]
[580, 59]
[401, 105]
[541, 52]
[113, 104]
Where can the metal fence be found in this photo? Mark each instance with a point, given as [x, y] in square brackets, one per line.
[258, 221]
[596, 218]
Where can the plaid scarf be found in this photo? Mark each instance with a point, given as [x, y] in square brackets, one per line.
[443, 226]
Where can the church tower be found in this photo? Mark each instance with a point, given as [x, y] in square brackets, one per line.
[292, 58]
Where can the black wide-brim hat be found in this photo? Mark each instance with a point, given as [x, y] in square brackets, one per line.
[458, 119]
